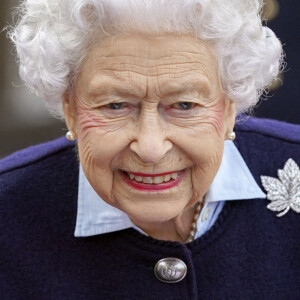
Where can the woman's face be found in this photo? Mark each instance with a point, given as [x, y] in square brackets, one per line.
[146, 106]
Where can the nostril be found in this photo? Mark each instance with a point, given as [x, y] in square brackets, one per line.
[151, 145]
[149, 153]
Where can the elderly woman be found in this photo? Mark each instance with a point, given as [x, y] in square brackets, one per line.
[163, 204]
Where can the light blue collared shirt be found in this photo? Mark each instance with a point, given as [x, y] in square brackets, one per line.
[233, 181]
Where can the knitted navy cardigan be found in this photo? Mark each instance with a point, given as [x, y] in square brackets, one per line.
[248, 254]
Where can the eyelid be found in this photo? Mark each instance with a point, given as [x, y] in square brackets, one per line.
[176, 99]
[110, 105]
[115, 102]
[192, 103]
[127, 101]
[123, 106]
[174, 112]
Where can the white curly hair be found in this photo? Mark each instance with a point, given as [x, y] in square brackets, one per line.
[52, 38]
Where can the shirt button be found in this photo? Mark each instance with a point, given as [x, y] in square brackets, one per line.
[170, 270]
[205, 215]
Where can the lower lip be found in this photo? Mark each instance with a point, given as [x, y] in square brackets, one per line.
[152, 187]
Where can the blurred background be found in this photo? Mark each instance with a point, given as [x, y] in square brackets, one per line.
[25, 121]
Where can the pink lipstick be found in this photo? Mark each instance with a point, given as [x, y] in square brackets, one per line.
[152, 187]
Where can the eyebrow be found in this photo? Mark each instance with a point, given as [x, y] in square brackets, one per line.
[200, 85]
[116, 90]
[103, 87]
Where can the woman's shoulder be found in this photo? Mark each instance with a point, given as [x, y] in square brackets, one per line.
[267, 145]
[269, 128]
[34, 154]
[39, 171]
[38, 177]
[38, 193]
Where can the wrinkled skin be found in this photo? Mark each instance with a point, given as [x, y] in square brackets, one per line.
[152, 129]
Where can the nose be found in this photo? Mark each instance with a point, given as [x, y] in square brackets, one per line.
[150, 142]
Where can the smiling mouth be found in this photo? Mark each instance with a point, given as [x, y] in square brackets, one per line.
[153, 178]
[152, 182]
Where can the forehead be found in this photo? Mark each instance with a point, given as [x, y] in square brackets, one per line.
[164, 59]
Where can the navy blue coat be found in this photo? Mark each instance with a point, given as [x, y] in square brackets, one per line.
[248, 254]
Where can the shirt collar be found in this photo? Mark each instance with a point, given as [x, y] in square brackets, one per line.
[233, 181]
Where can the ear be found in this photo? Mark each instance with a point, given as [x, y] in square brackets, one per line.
[230, 114]
[69, 108]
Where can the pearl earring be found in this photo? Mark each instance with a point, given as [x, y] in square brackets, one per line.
[232, 136]
[71, 135]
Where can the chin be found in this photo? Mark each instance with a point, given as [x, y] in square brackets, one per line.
[155, 210]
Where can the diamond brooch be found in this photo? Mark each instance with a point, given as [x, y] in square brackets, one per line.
[284, 192]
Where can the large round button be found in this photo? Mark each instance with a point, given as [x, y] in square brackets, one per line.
[170, 270]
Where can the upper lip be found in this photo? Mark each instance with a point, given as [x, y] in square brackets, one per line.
[152, 175]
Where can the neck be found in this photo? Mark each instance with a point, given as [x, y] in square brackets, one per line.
[176, 229]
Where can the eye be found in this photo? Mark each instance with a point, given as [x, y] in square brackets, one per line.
[184, 105]
[116, 106]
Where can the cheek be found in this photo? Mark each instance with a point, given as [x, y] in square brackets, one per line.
[215, 118]
[207, 162]
[203, 144]
[101, 146]
[88, 126]
[101, 142]
[209, 142]
[204, 139]
[89, 119]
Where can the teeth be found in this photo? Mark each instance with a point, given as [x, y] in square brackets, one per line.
[138, 178]
[167, 177]
[147, 180]
[158, 179]
[174, 176]
[154, 180]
